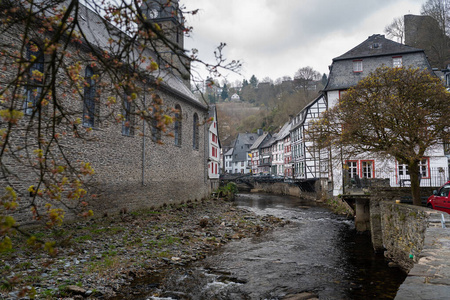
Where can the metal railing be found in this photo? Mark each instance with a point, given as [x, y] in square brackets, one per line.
[434, 177]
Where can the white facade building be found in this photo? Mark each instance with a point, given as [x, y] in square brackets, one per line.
[229, 161]
[345, 72]
[214, 147]
[278, 153]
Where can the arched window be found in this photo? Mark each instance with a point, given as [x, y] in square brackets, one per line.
[156, 132]
[35, 78]
[128, 115]
[177, 126]
[89, 99]
[195, 135]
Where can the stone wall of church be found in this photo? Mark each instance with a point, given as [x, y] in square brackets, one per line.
[131, 172]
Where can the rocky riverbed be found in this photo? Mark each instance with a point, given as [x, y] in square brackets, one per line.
[101, 257]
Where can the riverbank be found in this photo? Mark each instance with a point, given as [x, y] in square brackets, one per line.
[99, 257]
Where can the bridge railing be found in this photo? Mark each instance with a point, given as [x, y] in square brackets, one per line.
[434, 177]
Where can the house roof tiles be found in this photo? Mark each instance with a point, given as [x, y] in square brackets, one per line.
[259, 141]
[376, 45]
[284, 131]
[376, 51]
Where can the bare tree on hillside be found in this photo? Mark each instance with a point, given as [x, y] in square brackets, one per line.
[440, 11]
[305, 76]
[396, 30]
[266, 80]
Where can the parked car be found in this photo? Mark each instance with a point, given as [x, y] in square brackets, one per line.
[440, 199]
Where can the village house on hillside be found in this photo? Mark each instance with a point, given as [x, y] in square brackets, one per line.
[228, 160]
[278, 161]
[255, 150]
[310, 163]
[235, 98]
[345, 72]
[132, 170]
[266, 157]
[241, 155]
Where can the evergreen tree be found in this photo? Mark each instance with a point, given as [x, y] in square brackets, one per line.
[324, 79]
[224, 93]
[254, 81]
[212, 98]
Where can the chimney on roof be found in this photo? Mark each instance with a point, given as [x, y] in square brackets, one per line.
[259, 132]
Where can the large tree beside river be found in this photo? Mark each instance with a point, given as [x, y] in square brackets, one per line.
[393, 112]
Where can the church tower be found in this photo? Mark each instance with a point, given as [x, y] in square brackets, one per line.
[168, 16]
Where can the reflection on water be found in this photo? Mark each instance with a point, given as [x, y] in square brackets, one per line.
[317, 252]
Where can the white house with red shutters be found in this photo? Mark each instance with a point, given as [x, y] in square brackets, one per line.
[345, 72]
[287, 155]
[256, 153]
[278, 154]
[214, 149]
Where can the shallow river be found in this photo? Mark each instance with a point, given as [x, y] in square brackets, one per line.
[316, 252]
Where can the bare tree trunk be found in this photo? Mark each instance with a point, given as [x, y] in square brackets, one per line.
[415, 182]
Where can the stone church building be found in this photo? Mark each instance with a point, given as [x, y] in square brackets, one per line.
[135, 165]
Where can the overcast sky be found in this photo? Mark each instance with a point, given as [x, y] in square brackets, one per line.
[274, 38]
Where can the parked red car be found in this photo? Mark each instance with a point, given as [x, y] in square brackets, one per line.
[440, 199]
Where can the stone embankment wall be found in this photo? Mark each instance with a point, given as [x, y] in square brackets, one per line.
[414, 238]
[430, 276]
[282, 188]
[404, 230]
[378, 195]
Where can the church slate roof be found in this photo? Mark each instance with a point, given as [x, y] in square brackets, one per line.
[98, 32]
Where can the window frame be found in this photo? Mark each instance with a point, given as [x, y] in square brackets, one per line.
[89, 107]
[372, 167]
[33, 89]
[358, 66]
[178, 126]
[195, 132]
[128, 115]
[395, 63]
[352, 170]
[424, 165]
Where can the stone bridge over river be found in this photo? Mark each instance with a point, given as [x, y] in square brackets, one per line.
[247, 182]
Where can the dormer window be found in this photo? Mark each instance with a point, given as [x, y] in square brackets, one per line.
[397, 62]
[357, 66]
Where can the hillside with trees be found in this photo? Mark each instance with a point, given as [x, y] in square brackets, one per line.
[250, 104]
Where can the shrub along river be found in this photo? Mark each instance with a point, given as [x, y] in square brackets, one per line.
[318, 252]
